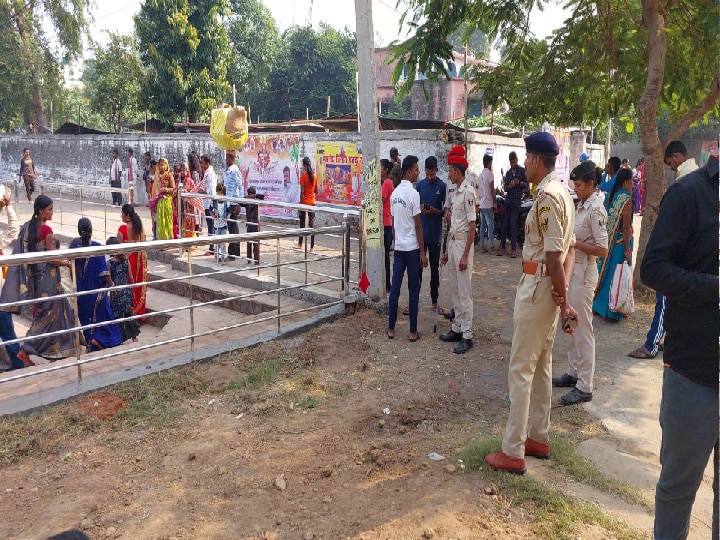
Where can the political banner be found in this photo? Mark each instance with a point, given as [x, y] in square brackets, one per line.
[339, 170]
[271, 163]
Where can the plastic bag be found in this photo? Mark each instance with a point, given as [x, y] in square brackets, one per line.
[218, 122]
[621, 290]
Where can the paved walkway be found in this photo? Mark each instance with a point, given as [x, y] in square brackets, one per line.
[238, 278]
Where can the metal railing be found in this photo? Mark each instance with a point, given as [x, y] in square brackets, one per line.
[194, 332]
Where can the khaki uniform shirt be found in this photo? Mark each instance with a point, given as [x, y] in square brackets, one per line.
[590, 226]
[550, 223]
[463, 208]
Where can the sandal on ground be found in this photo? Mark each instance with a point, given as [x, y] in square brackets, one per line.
[501, 252]
[484, 250]
[406, 311]
[513, 255]
[390, 333]
[642, 353]
[413, 338]
[439, 310]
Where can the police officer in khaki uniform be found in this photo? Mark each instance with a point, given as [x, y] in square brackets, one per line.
[548, 259]
[591, 242]
[459, 256]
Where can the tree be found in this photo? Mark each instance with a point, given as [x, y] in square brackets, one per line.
[187, 50]
[25, 24]
[608, 58]
[113, 79]
[255, 44]
[311, 66]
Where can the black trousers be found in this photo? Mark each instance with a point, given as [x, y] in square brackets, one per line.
[388, 238]
[116, 195]
[311, 223]
[233, 228]
[433, 252]
[253, 248]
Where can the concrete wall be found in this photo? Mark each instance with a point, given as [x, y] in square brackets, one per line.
[86, 159]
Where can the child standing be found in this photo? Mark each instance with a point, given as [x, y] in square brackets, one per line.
[121, 301]
[252, 218]
[220, 211]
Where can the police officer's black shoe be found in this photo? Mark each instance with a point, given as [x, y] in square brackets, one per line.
[575, 396]
[450, 315]
[464, 346]
[566, 381]
[450, 336]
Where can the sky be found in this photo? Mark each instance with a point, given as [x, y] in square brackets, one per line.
[116, 15]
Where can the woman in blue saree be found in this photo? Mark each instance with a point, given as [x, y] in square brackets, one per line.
[620, 242]
[93, 273]
[40, 281]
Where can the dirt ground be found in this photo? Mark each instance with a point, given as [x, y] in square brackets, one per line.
[336, 445]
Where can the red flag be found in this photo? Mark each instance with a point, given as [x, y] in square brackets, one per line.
[364, 283]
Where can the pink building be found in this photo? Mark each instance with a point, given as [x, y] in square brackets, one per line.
[447, 97]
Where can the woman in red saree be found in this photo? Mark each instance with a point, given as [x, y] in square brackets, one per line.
[132, 231]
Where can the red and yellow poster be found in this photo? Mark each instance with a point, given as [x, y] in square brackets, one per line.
[339, 172]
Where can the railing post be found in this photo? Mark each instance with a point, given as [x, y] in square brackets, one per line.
[192, 307]
[61, 207]
[76, 341]
[181, 224]
[346, 257]
[277, 284]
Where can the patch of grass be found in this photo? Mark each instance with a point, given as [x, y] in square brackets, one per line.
[308, 402]
[556, 514]
[156, 399]
[258, 375]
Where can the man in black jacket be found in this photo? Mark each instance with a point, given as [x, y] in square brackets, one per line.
[681, 263]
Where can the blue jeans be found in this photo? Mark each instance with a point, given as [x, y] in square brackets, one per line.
[433, 254]
[487, 220]
[410, 261]
[657, 327]
[689, 422]
[511, 215]
[7, 332]
[388, 238]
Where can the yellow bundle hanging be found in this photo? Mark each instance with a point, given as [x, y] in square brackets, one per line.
[219, 123]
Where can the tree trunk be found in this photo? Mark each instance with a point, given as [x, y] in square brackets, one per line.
[654, 20]
[38, 105]
[33, 65]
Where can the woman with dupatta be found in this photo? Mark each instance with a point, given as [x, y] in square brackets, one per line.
[163, 208]
[132, 231]
[620, 242]
[40, 281]
[92, 274]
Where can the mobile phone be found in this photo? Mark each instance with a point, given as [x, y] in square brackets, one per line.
[570, 322]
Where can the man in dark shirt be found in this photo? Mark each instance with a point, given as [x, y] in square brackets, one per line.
[681, 263]
[432, 202]
[252, 219]
[514, 184]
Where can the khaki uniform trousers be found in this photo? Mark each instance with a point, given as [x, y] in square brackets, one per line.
[530, 371]
[581, 346]
[460, 287]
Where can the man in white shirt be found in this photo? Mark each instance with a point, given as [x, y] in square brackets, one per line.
[233, 188]
[409, 245]
[137, 193]
[210, 179]
[487, 203]
[116, 178]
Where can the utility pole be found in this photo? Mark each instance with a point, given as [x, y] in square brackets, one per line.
[374, 264]
[465, 77]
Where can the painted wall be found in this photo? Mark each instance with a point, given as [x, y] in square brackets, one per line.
[86, 159]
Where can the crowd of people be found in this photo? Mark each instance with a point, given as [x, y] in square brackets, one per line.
[104, 310]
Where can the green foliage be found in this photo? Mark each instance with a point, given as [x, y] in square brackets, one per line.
[593, 67]
[187, 49]
[255, 44]
[29, 61]
[400, 108]
[112, 80]
[310, 66]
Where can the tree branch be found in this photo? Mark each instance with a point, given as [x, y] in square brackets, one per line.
[697, 112]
